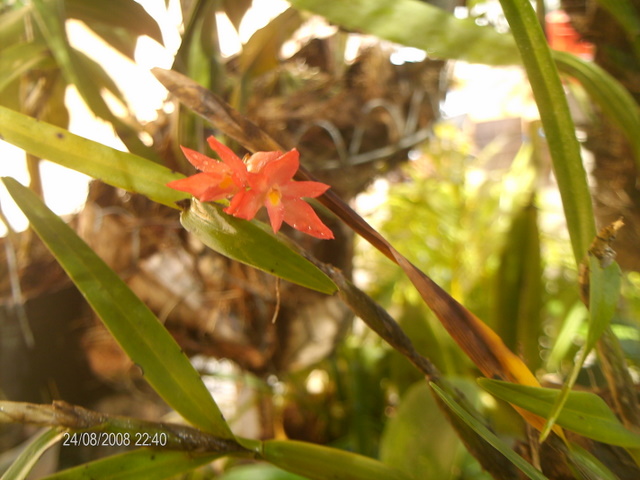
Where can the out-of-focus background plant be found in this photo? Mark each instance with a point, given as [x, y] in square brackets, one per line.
[372, 94]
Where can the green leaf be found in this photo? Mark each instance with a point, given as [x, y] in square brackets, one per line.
[132, 324]
[19, 58]
[588, 465]
[419, 25]
[604, 285]
[557, 123]
[565, 339]
[604, 292]
[120, 169]
[261, 53]
[22, 465]
[488, 435]
[405, 446]
[317, 462]
[261, 471]
[249, 243]
[584, 412]
[119, 24]
[98, 75]
[612, 97]
[519, 287]
[50, 18]
[143, 463]
[12, 23]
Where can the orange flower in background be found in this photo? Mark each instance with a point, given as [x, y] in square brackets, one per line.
[266, 179]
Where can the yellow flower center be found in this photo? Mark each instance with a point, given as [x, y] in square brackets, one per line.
[274, 196]
[226, 182]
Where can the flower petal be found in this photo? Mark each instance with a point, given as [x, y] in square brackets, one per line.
[258, 160]
[301, 216]
[303, 189]
[196, 184]
[229, 158]
[202, 162]
[245, 204]
[276, 215]
[281, 170]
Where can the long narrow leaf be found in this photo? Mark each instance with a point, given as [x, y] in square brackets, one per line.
[21, 467]
[557, 122]
[612, 98]
[420, 25]
[133, 325]
[246, 242]
[519, 287]
[586, 462]
[584, 412]
[142, 463]
[488, 435]
[120, 169]
[318, 462]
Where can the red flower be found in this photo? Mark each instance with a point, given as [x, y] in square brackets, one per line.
[218, 180]
[266, 179]
[271, 184]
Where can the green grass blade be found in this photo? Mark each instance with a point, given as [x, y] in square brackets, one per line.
[524, 466]
[419, 25]
[612, 97]
[133, 325]
[248, 243]
[586, 462]
[565, 339]
[21, 467]
[120, 169]
[584, 412]
[143, 463]
[557, 122]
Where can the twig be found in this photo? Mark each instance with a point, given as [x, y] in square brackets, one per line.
[72, 417]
